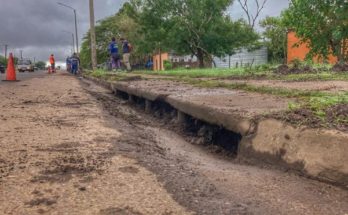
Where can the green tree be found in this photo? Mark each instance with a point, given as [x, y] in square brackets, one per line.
[119, 25]
[321, 24]
[198, 27]
[276, 38]
[40, 64]
[3, 60]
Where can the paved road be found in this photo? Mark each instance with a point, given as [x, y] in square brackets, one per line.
[70, 147]
[22, 76]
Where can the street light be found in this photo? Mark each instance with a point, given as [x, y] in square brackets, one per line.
[73, 40]
[77, 38]
[6, 46]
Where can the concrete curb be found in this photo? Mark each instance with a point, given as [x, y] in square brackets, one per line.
[320, 154]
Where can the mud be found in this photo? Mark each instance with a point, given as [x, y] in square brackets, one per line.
[214, 168]
[340, 68]
[129, 162]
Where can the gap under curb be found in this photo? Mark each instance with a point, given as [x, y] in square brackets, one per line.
[317, 153]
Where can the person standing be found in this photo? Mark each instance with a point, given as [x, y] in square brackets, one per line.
[68, 64]
[75, 64]
[127, 49]
[115, 57]
[53, 64]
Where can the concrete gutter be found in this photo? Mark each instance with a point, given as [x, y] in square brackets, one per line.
[317, 153]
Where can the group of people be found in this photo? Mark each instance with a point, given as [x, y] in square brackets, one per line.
[115, 57]
[73, 64]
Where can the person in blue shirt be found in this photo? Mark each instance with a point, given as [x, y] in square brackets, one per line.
[75, 64]
[149, 64]
[115, 57]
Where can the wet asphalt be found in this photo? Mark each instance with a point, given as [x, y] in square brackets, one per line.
[22, 76]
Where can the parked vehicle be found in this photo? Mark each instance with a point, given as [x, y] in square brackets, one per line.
[2, 68]
[25, 65]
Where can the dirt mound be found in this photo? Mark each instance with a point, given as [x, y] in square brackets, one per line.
[336, 117]
[285, 69]
[338, 114]
[303, 115]
[340, 68]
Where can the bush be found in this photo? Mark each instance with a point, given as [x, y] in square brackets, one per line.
[167, 65]
[296, 63]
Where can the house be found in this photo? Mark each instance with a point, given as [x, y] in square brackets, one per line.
[243, 58]
[240, 59]
[300, 52]
[176, 60]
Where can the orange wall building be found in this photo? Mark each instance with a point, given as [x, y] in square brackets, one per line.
[302, 50]
[158, 61]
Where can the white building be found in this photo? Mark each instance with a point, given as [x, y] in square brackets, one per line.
[243, 58]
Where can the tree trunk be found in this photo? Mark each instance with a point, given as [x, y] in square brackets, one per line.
[337, 50]
[200, 57]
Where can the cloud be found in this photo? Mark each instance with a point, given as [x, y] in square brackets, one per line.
[272, 8]
[35, 26]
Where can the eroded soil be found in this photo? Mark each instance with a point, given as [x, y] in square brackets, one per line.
[71, 147]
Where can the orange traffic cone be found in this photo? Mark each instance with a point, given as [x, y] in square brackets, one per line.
[11, 72]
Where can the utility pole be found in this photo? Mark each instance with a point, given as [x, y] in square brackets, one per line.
[77, 37]
[92, 34]
[73, 41]
[21, 51]
[6, 52]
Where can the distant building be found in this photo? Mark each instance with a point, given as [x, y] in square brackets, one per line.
[176, 60]
[240, 59]
[243, 58]
[300, 52]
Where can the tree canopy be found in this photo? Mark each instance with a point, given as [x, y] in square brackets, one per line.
[119, 25]
[275, 34]
[321, 24]
[197, 27]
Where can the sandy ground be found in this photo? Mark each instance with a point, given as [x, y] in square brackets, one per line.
[326, 86]
[55, 144]
[227, 101]
[70, 147]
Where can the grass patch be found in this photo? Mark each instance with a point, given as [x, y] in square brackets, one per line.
[206, 73]
[243, 73]
[323, 76]
[110, 76]
[317, 103]
[313, 108]
[251, 88]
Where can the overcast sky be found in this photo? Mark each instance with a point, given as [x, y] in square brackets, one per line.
[35, 26]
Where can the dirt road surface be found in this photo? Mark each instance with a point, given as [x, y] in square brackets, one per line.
[69, 146]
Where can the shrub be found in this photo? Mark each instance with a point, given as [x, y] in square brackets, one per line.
[167, 65]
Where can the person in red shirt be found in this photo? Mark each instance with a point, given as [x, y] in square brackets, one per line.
[53, 63]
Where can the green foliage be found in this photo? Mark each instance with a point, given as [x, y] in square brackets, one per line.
[296, 63]
[119, 25]
[168, 65]
[197, 27]
[276, 38]
[40, 64]
[3, 60]
[321, 24]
